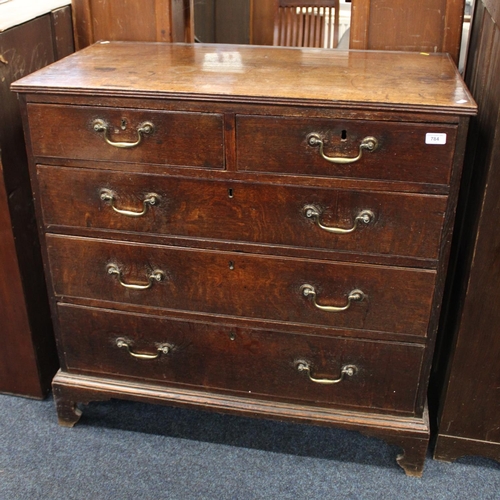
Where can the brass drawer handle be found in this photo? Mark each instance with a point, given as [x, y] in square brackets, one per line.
[100, 125]
[161, 349]
[368, 143]
[354, 296]
[346, 371]
[364, 217]
[108, 196]
[156, 275]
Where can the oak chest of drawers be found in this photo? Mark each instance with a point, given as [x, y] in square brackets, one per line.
[260, 231]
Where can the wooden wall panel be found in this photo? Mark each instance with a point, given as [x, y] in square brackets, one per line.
[18, 364]
[62, 32]
[28, 358]
[262, 25]
[423, 26]
[130, 20]
[470, 330]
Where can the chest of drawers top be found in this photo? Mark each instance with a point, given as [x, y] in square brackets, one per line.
[356, 79]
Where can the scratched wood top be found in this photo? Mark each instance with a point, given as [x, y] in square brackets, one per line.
[409, 81]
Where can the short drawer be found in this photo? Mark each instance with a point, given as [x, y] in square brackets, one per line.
[251, 362]
[318, 146]
[362, 222]
[127, 135]
[340, 295]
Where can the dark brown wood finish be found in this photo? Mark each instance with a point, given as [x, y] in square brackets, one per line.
[170, 142]
[467, 366]
[28, 358]
[244, 285]
[17, 350]
[216, 357]
[230, 236]
[62, 32]
[271, 144]
[402, 224]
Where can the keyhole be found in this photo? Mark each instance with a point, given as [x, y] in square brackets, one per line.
[123, 125]
[232, 336]
[231, 265]
[343, 135]
[230, 192]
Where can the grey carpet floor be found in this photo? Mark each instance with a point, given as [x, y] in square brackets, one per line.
[123, 450]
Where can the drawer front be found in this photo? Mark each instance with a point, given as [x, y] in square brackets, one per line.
[234, 284]
[379, 223]
[255, 363]
[274, 144]
[175, 138]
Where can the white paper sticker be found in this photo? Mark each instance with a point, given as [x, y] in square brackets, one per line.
[432, 138]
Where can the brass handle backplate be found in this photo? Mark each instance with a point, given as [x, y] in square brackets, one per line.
[160, 349]
[364, 217]
[145, 128]
[156, 275]
[354, 296]
[369, 144]
[346, 371]
[109, 196]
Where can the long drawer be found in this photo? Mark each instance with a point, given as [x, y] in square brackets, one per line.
[409, 152]
[341, 295]
[363, 222]
[127, 135]
[309, 369]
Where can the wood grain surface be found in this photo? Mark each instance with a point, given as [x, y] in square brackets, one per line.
[276, 144]
[397, 300]
[403, 224]
[228, 238]
[185, 139]
[407, 81]
[252, 363]
[28, 357]
[467, 367]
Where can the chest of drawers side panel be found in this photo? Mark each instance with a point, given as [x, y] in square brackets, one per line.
[444, 255]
